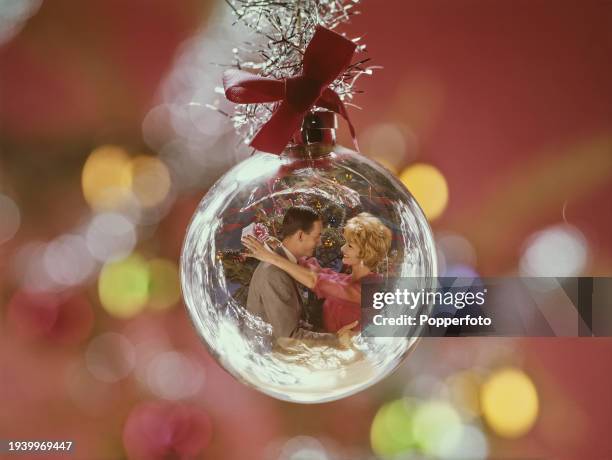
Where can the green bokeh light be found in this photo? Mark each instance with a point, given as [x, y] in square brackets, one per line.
[123, 286]
[391, 431]
[164, 286]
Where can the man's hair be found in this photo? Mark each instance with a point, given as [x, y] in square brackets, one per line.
[298, 218]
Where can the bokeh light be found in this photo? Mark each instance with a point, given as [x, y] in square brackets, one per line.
[68, 261]
[425, 386]
[509, 402]
[149, 343]
[192, 140]
[428, 186]
[50, 316]
[164, 285]
[560, 250]
[173, 375]
[10, 218]
[110, 357]
[464, 389]
[390, 144]
[13, 16]
[156, 430]
[391, 431]
[303, 448]
[456, 248]
[110, 236]
[473, 445]
[123, 286]
[460, 271]
[150, 180]
[30, 270]
[107, 177]
[437, 428]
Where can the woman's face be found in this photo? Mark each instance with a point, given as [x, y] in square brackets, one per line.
[350, 253]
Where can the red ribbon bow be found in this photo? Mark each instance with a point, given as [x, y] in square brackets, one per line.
[328, 54]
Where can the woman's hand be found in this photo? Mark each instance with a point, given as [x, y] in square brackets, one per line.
[256, 249]
[301, 274]
[273, 242]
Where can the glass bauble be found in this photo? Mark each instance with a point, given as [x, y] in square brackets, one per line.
[339, 184]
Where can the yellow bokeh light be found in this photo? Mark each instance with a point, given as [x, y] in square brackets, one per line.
[428, 186]
[164, 286]
[509, 402]
[123, 286]
[464, 388]
[150, 180]
[107, 178]
[391, 431]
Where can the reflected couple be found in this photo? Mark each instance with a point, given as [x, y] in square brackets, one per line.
[274, 295]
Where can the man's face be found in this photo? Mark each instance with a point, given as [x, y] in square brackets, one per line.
[309, 241]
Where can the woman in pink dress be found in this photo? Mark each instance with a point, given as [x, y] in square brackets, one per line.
[367, 243]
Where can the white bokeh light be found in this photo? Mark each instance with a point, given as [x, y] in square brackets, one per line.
[110, 236]
[30, 270]
[560, 250]
[456, 249]
[110, 357]
[173, 375]
[67, 260]
[303, 448]
[192, 137]
[473, 445]
[14, 15]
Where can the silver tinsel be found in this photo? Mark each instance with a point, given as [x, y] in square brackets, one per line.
[282, 30]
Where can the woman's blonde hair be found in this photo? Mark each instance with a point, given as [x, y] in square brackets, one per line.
[371, 236]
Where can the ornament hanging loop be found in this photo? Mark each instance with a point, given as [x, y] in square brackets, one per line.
[316, 137]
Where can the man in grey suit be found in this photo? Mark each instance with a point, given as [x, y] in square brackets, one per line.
[273, 294]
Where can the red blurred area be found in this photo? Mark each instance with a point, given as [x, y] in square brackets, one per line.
[498, 92]
[85, 68]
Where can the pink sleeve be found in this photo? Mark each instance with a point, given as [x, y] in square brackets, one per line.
[338, 286]
[311, 263]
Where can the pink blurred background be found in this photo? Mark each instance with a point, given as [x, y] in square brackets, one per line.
[509, 101]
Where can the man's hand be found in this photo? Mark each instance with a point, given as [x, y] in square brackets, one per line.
[345, 334]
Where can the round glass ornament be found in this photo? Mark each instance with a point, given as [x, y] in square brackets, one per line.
[215, 272]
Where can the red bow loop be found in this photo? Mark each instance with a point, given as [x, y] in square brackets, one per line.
[245, 88]
[327, 55]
